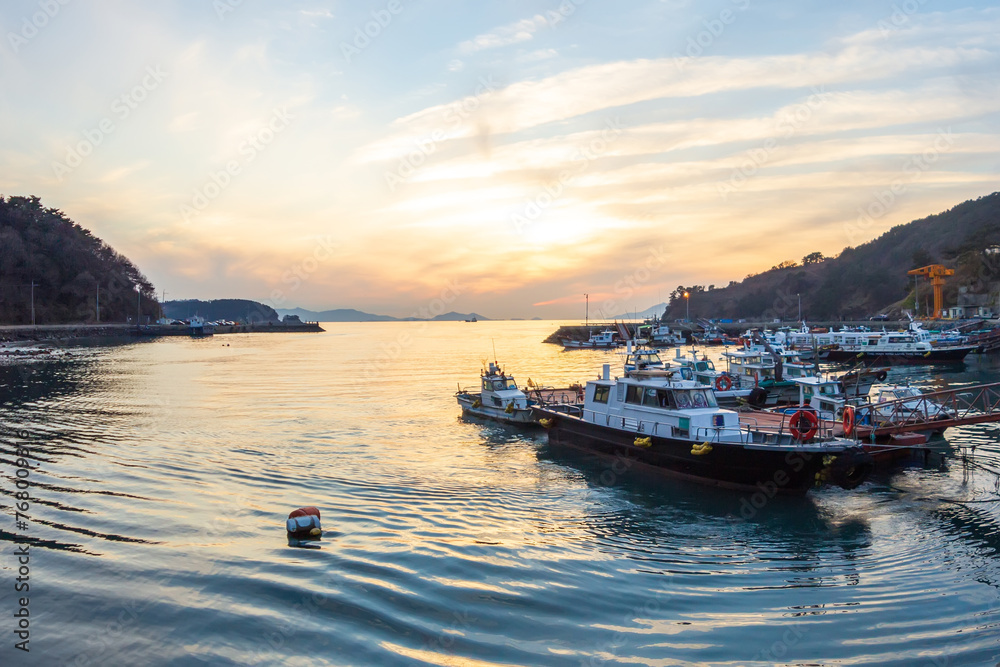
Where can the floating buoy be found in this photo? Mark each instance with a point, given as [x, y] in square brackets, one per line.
[303, 524]
[643, 442]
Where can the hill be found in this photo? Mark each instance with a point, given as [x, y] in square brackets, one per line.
[867, 279]
[63, 269]
[236, 310]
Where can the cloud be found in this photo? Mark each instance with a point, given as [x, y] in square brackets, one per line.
[512, 33]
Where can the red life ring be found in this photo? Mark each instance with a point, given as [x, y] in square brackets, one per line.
[849, 420]
[795, 425]
[723, 383]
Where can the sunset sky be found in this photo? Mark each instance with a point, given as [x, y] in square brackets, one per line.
[510, 156]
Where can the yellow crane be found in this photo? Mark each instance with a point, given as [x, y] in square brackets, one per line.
[935, 273]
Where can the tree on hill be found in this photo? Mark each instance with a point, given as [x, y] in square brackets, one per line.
[871, 277]
[63, 269]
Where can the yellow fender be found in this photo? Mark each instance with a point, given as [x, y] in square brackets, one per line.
[476, 403]
[545, 422]
[701, 450]
[643, 442]
[510, 408]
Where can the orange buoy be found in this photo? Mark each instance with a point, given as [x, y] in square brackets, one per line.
[303, 523]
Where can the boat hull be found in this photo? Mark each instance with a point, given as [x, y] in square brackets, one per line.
[771, 470]
[948, 355]
[585, 345]
[518, 417]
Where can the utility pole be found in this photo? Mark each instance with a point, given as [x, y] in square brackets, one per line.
[98, 304]
[32, 303]
[138, 305]
[800, 306]
[587, 297]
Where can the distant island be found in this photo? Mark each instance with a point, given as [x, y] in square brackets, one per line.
[351, 315]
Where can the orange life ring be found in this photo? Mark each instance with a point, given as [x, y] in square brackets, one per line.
[849, 420]
[795, 425]
[723, 383]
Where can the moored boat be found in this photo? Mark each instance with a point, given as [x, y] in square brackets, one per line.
[499, 398]
[604, 340]
[677, 427]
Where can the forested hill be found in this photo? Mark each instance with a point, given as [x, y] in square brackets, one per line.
[236, 310]
[867, 279]
[68, 266]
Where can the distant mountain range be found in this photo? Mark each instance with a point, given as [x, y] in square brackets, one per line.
[351, 315]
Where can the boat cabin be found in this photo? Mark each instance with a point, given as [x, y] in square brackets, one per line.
[663, 407]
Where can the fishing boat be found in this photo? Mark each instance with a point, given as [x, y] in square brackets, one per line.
[661, 335]
[729, 391]
[603, 340]
[916, 345]
[499, 398]
[678, 428]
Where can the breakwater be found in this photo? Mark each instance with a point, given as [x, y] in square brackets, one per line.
[53, 332]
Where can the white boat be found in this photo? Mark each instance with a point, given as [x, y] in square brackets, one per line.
[677, 427]
[728, 389]
[914, 346]
[499, 398]
[661, 335]
[604, 340]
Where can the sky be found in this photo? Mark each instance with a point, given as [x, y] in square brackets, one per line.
[507, 158]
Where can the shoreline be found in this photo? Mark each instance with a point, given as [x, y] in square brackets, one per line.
[19, 335]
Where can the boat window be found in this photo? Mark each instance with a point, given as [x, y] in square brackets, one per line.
[665, 398]
[683, 399]
[649, 398]
[487, 385]
[701, 366]
[633, 394]
[511, 384]
[498, 385]
[621, 392]
[601, 393]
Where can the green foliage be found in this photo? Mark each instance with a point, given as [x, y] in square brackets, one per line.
[813, 258]
[68, 265]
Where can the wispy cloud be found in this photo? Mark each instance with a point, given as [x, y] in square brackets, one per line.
[512, 33]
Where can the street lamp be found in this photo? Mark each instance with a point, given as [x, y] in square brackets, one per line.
[687, 303]
[800, 306]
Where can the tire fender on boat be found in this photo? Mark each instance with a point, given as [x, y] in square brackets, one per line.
[851, 468]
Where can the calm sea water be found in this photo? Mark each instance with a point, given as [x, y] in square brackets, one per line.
[165, 471]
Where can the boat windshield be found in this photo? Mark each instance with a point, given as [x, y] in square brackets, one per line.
[694, 398]
[499, 385]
